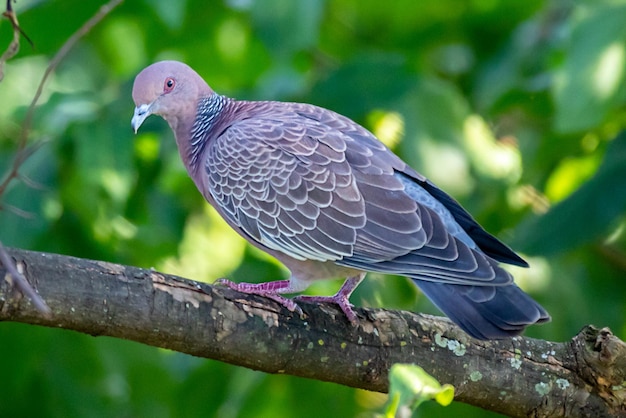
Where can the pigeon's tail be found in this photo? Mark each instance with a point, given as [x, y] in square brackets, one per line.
[486, 312]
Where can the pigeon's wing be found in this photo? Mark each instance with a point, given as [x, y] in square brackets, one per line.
[408, 230]
[286, 184]
[314, 185]
[489, 244]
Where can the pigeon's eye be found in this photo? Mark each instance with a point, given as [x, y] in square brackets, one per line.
[168, 85]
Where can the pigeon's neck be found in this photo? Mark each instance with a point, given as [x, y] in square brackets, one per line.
[202, 129]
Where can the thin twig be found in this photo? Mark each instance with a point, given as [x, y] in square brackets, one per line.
[17, 211]
[20, 157]
[14, 46]
[9, 13]
[20, 282]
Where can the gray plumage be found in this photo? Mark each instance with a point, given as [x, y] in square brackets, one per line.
[326, 198]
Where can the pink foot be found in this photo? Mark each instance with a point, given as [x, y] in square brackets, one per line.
[269, 290]
[337, 299]
[340, 298]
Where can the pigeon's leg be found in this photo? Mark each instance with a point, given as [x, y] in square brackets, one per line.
[340, 298]
[271, 290]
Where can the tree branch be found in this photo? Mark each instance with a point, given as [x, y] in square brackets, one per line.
[519, 377]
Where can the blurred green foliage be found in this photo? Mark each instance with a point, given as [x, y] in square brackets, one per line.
[410, 386]
[515, 108]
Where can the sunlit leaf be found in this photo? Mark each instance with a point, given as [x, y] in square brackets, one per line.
[410, 385]
[569, 175]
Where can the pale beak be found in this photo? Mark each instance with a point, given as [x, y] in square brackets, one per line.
[141, 113]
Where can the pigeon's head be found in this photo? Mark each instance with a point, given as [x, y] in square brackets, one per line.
[169, 89]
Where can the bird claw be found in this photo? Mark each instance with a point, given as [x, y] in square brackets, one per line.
[262, 289]
[339, 300]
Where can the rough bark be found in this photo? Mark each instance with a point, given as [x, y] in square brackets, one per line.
[584, 377]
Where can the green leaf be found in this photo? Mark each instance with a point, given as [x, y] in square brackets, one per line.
[591, 81]
[584, 216]
[170, 12]
[410, 385]
[286, 26]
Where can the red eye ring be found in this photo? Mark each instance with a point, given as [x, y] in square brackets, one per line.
[169, 85]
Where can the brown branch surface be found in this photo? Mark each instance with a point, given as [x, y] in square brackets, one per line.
[519, 377]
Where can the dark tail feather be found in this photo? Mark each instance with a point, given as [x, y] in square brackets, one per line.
[486, 313]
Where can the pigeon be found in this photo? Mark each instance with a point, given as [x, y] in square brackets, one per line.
[326, 198]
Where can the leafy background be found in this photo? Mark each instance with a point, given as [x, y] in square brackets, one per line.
[515, 108]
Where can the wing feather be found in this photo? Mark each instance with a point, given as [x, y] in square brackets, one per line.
[314, 185]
